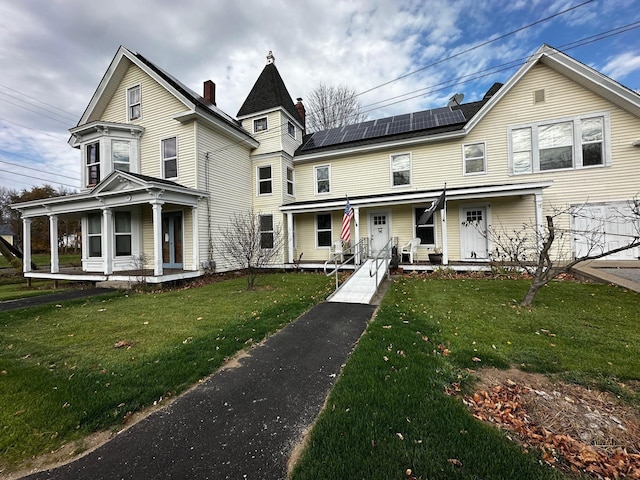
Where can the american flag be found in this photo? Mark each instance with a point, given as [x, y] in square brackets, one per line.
[345, 234]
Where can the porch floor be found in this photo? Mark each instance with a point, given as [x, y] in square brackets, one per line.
[130, 276]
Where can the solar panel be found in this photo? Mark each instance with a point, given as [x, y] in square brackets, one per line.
[376, 131]
[449, 117]
[400, 124]
[333, 136]
[420, 123]
[354, 135]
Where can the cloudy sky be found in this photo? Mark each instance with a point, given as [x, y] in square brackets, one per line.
[403, 55]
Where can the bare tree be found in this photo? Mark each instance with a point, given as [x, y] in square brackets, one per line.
[545, 252]
[329, 106]
[251, 241]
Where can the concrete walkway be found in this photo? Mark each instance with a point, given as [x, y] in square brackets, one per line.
[242, 422]
[623, 273]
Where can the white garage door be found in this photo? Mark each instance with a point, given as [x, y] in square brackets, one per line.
[605, 227]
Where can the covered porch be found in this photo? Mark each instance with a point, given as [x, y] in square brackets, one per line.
[456, 231]
[133, 227]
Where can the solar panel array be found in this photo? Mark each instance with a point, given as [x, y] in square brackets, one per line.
[409, 122]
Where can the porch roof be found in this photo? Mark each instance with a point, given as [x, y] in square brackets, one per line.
[423, 196]
[119, 189]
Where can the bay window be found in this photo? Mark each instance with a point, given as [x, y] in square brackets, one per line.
[93, 163]
[122, 232]
[94, 234]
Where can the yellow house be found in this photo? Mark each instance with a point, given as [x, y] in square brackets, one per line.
[164, 169]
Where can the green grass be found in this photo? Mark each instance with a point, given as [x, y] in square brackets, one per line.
[61, 377]
[44, 260]
[388, 411]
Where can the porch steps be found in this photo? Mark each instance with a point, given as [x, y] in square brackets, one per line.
[361, 287]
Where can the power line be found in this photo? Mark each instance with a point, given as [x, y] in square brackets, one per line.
[38, 178]
[38, 169]
[64, 122]
[30, 128]
[73, 116]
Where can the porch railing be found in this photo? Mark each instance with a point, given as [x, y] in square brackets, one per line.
[383, 255]
[355, 253]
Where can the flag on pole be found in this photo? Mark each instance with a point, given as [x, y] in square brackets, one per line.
[345, 233]
[437, 204]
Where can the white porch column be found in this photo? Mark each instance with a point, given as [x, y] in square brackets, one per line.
[445, 250]
[107, 241]
[156, 206]
[26, 245]
[53, 242]
[356, 219]
[290, 245]
[195, 238]
[537, 198]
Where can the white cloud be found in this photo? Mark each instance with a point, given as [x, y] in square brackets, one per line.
[621, 65]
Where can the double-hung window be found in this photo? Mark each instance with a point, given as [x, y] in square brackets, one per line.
[291, 129]
[94, 234]
[266, 231]
[425, 232]
[265, 180]
[123, 233]
[260, 125]
[474, 158]
[93, 163]
[290, 189]
[401, 170]
[133, 103]
[322, 179]
[323, 230]
[170, 157]
[560, 145]
[120, 155]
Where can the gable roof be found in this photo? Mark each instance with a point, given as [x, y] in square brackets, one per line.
[576, 71]
[269, 92]
[196, 104]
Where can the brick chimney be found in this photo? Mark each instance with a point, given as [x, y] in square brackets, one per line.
[210, 92]
[302, 113]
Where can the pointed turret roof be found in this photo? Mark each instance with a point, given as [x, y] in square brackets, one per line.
[269, 92]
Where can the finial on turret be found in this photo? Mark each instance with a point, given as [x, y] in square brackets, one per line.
[271, 58]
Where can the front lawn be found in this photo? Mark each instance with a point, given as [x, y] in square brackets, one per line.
[389, 411]
[72, 369]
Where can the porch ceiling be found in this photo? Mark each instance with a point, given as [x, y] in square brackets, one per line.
[459, 193]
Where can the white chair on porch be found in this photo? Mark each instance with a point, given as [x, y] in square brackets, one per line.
[337, 247]
[410, 249]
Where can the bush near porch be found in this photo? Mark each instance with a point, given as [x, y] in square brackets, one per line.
[75, 368]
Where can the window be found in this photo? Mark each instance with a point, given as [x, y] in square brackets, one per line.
[323, 230]
[567, 144]
[94, 234]
[170, 157]
[474, 161]
[427, 232]
[120, 155]
[123, 233]
[291, 129]
[401, 170]
[265, 184]
[266, 231]
[133, 103]
[323, 182]
[260, 124]
[93, 163]
[290, 190]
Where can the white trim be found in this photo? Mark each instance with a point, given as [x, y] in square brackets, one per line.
[389, 226]
[391, 170]
[487, 224]
[139, 117]
[258, 180]
[266, 124]
[287, 181]
[484, 159]
[316, 230]
[315, 179]
[414, 231]
[162, 159]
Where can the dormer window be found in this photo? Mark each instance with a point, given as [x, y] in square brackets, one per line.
[134, 103]
[260, 125]
[93, 163]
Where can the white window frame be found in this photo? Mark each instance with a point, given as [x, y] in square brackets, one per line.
[259, 121]
[465, 158]
[330, 230]
[96, 164]
[131, 105]
[392, 170]
[291, 186]
[266, 232]
[576, 146]
[113, 158]
[117, 234]
[432, 225]
[92, 234]
[164, 160]
[260, 181]
[291, 129]
[315, 179]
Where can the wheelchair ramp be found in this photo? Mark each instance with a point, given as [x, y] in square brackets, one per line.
[361, 286]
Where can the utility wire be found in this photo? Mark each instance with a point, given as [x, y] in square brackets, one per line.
[73, 116]
[34, 129]
[38, 169]
[38, 178]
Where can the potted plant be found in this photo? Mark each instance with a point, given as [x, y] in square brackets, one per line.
[436, 256]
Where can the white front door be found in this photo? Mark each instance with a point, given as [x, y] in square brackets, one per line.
[379, 231]
[473, 233]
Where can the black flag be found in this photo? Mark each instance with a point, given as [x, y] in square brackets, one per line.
[437, 204]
